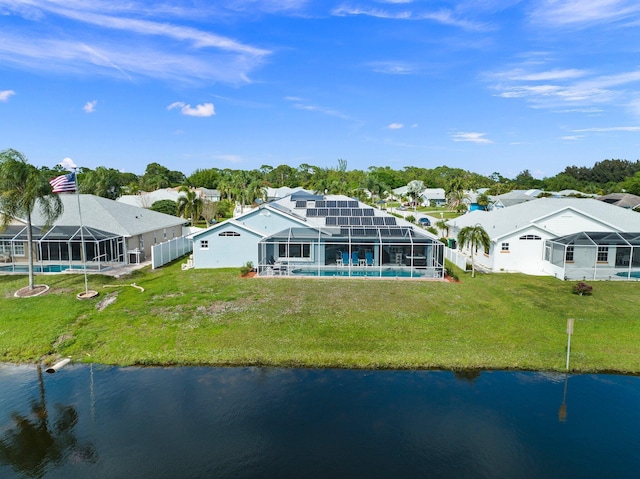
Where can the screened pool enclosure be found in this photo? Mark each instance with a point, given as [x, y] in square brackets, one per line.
[375, 251]
[61, 246]
[595, 256]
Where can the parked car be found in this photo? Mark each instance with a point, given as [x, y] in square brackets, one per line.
[402, 208]
[424, 222]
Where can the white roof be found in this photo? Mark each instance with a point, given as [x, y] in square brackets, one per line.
[500, 222]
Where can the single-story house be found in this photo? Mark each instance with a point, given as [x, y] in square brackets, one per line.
[524, 236]
[436, 196]
[514, 197]
[113, 233]
[320, 235]
[623, 200]
[147, 199]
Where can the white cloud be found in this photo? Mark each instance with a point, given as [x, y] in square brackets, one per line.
[5, 94]
[106, 38]
[571, 137]
[584, 12]
[68, 164]
[395, 126]
[610, 128]
[392, 68]
[203, 110]
[229, 158]
[300, 104]
[472, 137]
[90, 106]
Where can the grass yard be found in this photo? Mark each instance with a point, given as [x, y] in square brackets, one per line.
[215, 317]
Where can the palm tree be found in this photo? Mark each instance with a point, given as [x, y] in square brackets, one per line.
[22, 185]
[474, 236]
[189, 205]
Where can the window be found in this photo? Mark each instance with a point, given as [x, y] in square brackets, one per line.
[530, 238]
[294, 250]
[5, 247]
[141, 241]
[164, 233]
[204, 244]
[504, 247]
[568, 254]
[603, 254]
[18, 249]
[229, 233]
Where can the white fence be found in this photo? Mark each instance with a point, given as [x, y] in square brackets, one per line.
[166, 252]
[456, 257]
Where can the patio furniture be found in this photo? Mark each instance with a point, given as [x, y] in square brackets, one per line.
[369, 258]
[345, 258]
[354, 258]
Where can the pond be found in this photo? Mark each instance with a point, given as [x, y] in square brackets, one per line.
[106, 422]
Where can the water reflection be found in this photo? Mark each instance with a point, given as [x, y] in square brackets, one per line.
[39, 441]
[260, 422]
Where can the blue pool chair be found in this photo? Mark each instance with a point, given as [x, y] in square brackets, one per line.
[369, 258]
[345, 258]
[354, 258]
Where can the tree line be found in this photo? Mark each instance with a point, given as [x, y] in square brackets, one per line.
[604, 177]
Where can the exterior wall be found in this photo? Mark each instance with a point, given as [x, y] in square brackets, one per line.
[225, 251]
[145, 241]
[234, 251]
[569, 221]
[526, 256]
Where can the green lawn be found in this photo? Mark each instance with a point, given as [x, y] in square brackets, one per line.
[214, 317]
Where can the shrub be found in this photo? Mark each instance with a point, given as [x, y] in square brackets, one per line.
[452, 270]
[582, 288]
[246, 268]
[410, 218]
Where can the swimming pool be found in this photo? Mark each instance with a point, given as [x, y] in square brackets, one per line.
[50, 268]
[634, 274]
[360, 272]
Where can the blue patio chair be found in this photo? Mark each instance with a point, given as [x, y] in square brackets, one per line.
[354, 258]
[369, 258]
[345, 258]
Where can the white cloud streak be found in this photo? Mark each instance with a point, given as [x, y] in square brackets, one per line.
[6, 94]
[471, 137]
[107, 38]
[204, 110]
[395, 126]
[608, 129]
[582, 13]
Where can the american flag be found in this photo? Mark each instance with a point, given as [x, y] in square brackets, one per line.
[64, 183]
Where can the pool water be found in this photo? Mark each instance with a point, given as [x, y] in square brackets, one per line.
[51, 268]
[371, 273]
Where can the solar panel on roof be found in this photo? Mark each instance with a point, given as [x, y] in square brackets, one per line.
[321, 204]
[343, 204]
[367, 212]
[366, 221]
[331, 204]
[323, 211]
[357, 231]
[389, 220]
[331, 221]
[312, 212]
[378, 220]
[371, 231]
[352, 204]
[301, 204]
[343, 220]
[356, 211]
[334, 212]
[354, 221]
[345, 211]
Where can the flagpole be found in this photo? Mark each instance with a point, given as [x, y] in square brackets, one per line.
[83, 253]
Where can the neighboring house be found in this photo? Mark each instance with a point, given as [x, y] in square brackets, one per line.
[112, 233]
[514, 197]
[311, 234]
[147, 199]
[279, 193]
[623, 200]
[522, 236]
[436, 196]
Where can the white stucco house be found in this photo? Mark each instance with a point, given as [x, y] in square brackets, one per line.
[320, 235]
[528, 237]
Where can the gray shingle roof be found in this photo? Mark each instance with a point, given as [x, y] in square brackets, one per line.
[108, 215]
[503, 221]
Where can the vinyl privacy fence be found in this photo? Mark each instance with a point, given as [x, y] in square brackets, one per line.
[166, 252]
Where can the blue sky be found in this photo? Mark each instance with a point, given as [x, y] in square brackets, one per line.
[483, 85]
